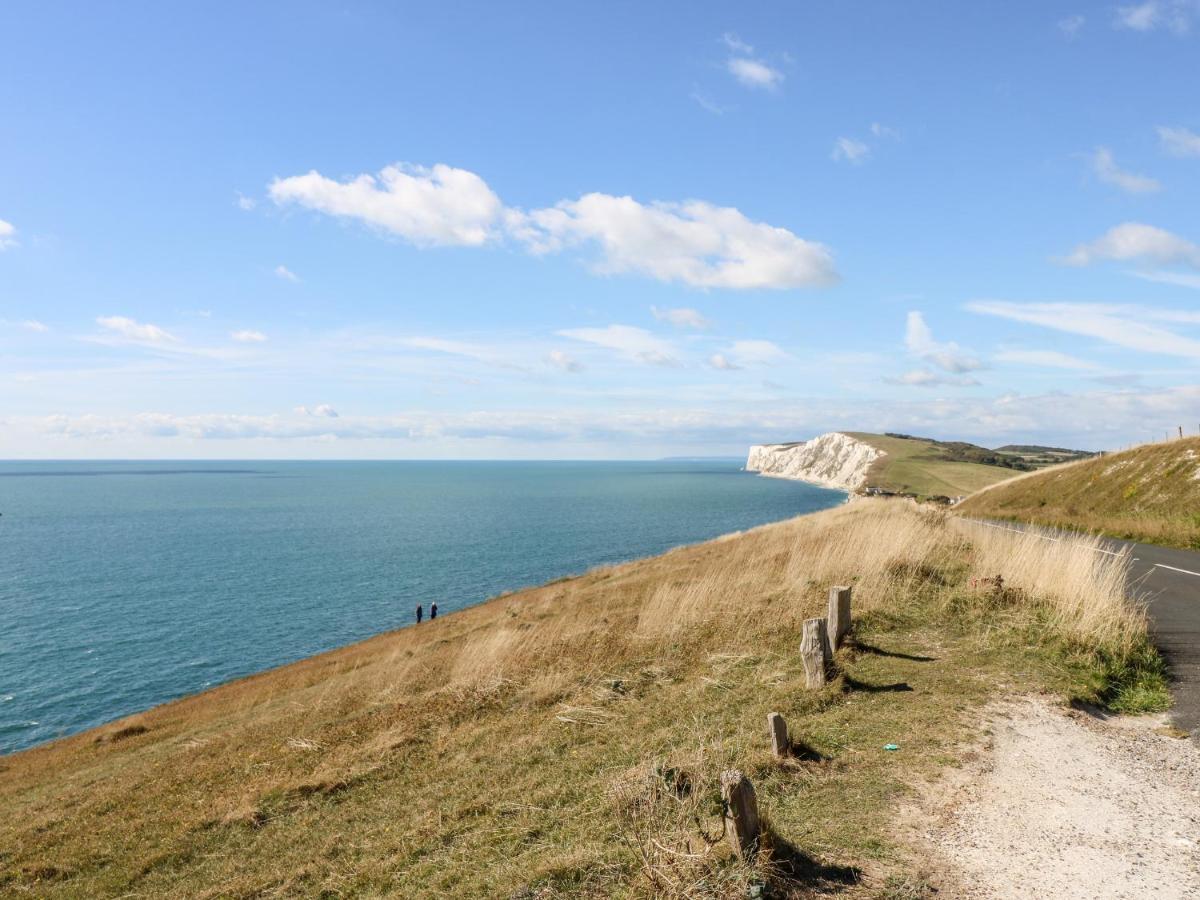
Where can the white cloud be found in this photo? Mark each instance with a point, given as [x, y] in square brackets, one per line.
[755, 353]
[754, 72]
[736, 44]
[634, 343]
[1133, 240]
[1045, 359]
[245, 203]
[850, 150]
[947, 356]
[1181, 279]
[561, 360]
[35, 325]
[721, 361]
[248, 336]
[8, 233]
[710, 105]
[682, 317]
[927, 378]
[282, 271]
[1174, 15]
[1178, 141]
[321, 410]
[1122, 326]
[441, 205]
[1071, 25]
[1107, 170]
[883, 131]
[135, 331]
[695, 243]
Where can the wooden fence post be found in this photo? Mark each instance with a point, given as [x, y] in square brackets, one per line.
[815, 651]
[777, 728]
[741, 813]
[839, 614]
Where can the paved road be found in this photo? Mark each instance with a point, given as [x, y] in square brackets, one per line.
[1170, 580]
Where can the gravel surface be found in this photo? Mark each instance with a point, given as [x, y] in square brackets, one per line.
[1066, 805]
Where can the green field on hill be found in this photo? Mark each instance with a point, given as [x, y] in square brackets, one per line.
[930, 468]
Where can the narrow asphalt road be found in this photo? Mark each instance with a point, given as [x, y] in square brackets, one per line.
[1170, 580]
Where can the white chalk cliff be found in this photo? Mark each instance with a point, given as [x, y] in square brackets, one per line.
[832, 460]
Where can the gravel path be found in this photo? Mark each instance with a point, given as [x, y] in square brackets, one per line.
[1064, 805]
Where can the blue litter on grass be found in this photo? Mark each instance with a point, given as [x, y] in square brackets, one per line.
[891, 746]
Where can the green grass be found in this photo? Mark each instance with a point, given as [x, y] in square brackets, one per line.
[1149, 494]
[917, 466]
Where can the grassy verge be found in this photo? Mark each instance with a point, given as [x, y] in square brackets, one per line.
[1149, 494]
[567, 741]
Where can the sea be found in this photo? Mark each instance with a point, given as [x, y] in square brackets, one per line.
[127, 584]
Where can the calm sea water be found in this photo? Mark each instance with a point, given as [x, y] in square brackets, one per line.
[126, 584]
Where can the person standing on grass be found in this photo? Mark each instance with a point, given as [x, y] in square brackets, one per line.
[420, 613]
[432, 611]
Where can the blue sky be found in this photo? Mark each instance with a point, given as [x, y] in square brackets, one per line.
[554, 230]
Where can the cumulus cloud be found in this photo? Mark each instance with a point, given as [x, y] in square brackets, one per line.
[562, 360]
[754, 353]
[681, 317]
[633, 343]
[693, 243]
[723, 362]
[754, 72]
[747, 67]
[321, 410]
[441, 205]
[1136, 241]
[1106, 169]
[248, 336]
[928, 378]
[132, 330]
[8, 235]
[1178, 141]
[849, 150]
[1071, 25]
[1173, 15]
[282, 271]
[946, 356]
[243, 202]
[1044, 359]
[1123, 326]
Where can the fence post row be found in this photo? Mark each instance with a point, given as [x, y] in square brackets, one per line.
[839, 614]
[815, 652]
[741, 813]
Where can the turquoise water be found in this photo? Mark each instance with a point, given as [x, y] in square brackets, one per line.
[126, 584]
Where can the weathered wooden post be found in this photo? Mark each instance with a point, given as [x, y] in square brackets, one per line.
[780, 745]
[741, 813]
[839, 614]
[815, 652]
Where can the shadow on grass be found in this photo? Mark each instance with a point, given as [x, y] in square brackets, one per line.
[791, 867]
[853, 684]
[891, 654]
[803, 752]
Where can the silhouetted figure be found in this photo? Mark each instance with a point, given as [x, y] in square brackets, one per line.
[420, 613]
[432, 611]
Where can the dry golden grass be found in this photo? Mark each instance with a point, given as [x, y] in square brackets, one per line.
[519, 748]
[1150, 493]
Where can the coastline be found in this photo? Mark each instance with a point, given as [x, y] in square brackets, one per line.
[332, 656]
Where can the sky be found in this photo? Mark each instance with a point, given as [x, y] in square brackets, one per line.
[594, 230]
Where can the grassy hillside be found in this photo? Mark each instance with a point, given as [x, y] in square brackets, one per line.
[930, 468]
[1149, 493]
[566, 740]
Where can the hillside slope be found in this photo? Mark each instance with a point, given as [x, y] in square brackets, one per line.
[928, 468]
[566, 740]
[1150, 493]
